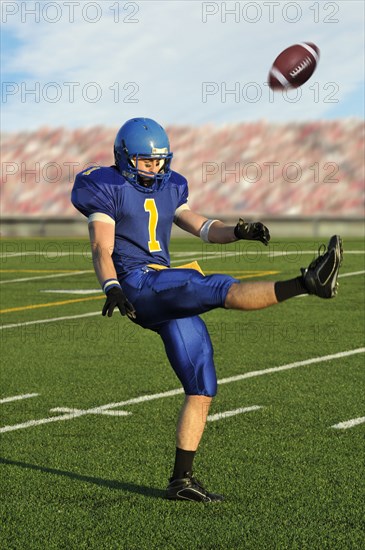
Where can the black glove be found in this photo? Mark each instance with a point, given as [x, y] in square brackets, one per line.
[116, 297]
[255, 231]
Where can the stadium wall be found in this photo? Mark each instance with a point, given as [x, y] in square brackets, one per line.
[25, 227]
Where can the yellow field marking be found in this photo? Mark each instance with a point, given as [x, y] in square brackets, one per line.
[39, 270]
[250, 274]
[51, 304]
[247, 273]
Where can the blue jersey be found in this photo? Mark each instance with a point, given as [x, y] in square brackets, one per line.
[143, 220]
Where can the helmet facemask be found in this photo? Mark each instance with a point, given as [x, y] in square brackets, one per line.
[142, 139]
[148, 178]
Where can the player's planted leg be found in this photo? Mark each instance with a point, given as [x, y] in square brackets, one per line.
[193, 417]
[190, 352]
[192, 420]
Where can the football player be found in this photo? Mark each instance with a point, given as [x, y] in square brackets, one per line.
[131, 207]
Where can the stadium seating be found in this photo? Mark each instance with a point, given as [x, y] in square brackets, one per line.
[296, 169]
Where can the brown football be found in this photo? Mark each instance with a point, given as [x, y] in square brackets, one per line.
[293, 66]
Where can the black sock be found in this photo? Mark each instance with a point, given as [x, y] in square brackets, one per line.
[183, 462]
[289, 289]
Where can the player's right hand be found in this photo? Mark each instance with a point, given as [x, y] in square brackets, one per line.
[115, 297]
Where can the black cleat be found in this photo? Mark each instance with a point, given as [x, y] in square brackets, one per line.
[320, 277]
[189, 488]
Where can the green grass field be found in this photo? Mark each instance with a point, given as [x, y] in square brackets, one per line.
[80, 477]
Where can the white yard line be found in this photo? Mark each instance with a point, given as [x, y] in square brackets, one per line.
[340, 276]
[144, 398]
[94, 313]
[177, 254]
[227, 414]
[200, 255]
[24, 279]
[181, 257]
[46, 254]
[41, 421]
[350, 274]
[313, 252]
[199, 258]
[79, 291]
[18, 397]
[349, 423]
[181, 254]
[91, 411]
[290, 366]
[52, 320]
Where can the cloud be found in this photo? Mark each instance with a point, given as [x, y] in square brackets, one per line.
[157, 66]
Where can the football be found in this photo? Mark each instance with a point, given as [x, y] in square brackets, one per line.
[294, 66]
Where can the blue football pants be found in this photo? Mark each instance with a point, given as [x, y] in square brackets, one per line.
[169, 302]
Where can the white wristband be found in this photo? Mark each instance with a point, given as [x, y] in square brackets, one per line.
[110, 283]
[205, 230]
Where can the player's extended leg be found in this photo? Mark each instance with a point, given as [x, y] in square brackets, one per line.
[320, 278]
[177, 293]
[190, 352]
[250, 296]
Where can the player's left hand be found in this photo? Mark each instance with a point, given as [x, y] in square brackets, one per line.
[252, 231]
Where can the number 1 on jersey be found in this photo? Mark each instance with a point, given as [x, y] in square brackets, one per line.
[153, 243]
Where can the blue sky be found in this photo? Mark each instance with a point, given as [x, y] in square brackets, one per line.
[100, 66]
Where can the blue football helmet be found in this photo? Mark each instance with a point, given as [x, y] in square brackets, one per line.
[142, 138]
